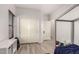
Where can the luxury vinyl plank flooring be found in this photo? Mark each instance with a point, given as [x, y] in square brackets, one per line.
[36, 48]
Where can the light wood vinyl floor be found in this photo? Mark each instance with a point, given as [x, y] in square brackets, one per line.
[47, 47]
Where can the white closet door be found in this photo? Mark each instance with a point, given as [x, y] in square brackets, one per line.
[29, 30]
[63, 32]
[76, 32]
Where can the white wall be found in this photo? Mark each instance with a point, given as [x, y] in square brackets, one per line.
[69, 16]
[56, 14]
[32, 14]
[64, 32]
[4, 20]
[72, 15]
[76, 32]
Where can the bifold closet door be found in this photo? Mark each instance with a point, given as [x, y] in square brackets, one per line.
[63, 31]
[76, 32]
[29, 30]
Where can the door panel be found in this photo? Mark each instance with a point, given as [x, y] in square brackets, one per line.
[46, 30]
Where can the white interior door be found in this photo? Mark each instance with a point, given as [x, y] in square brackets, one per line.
[29, 30]
[46, 30]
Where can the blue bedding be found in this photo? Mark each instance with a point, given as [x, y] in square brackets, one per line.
[69, 49]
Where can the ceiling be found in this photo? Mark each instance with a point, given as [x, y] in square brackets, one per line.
[45, 8]
[72, 15]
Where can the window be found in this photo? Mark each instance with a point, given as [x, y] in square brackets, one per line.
[11, 19]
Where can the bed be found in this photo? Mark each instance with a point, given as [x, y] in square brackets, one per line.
[67, 32]
[68, 49]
